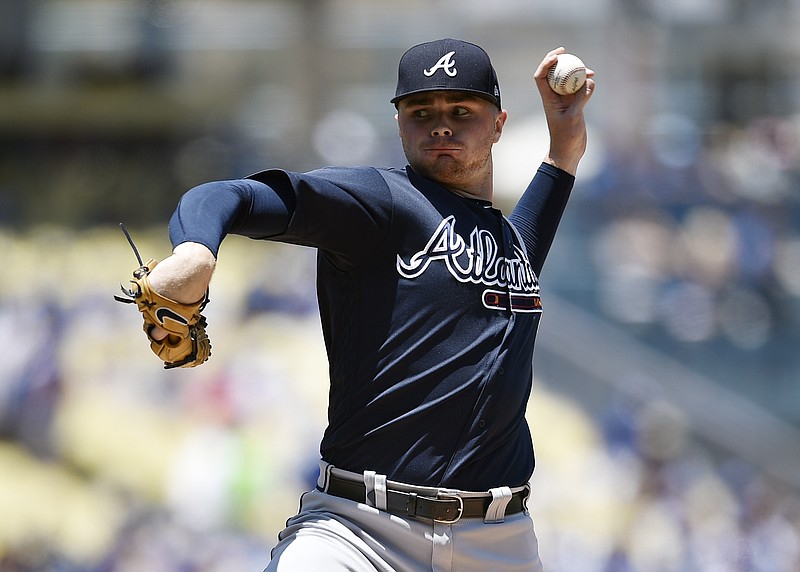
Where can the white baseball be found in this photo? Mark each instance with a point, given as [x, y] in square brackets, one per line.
[567, 75]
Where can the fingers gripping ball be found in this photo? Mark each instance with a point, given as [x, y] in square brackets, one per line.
[567, 75]
[186, 343]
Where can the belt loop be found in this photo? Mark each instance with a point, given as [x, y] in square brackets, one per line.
[375, 485]
[496, 512]
[381, 500]
[526, 498]
[324, 478]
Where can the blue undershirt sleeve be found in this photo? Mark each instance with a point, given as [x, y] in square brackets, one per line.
[538, 212]
[209, 212]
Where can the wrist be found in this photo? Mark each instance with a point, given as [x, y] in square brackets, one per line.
[570, 167]
[185, 275]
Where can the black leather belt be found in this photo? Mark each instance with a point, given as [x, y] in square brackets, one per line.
[445, 507]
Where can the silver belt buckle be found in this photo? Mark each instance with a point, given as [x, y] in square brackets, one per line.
[444, 495]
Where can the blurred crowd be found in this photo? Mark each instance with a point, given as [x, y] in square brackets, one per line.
[692, 240]
[695, 217]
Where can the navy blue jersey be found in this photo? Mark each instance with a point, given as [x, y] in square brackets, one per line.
[429, 305]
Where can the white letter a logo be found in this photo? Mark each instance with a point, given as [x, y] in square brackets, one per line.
[446, 63]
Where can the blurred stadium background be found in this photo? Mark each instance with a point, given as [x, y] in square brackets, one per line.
[666, 410]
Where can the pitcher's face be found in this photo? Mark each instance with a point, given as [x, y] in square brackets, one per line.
[447, 137]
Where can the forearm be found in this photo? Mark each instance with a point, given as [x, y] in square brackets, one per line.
[566, 151]
[538, 212]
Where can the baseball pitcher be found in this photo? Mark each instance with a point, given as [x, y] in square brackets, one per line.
[430, 303]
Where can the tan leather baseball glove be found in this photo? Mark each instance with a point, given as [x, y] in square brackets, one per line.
[186, 344]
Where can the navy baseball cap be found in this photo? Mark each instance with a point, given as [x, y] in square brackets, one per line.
[448, 64]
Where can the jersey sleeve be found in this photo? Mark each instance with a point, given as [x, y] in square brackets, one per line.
[538, 212]
[344, 212]
[209, 212]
